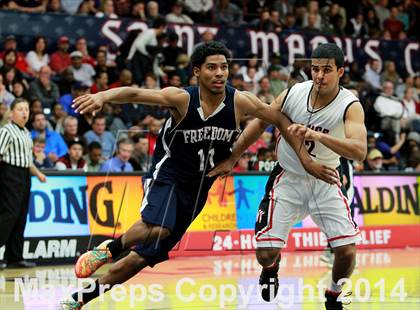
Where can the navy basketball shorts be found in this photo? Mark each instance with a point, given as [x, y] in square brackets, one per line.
[173, 206]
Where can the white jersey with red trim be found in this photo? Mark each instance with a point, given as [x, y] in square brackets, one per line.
[329, 119]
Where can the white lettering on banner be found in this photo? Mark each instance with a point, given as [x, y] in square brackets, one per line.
[202, 29]
[309, 239]
[296, 45]
[407, 52]
[347, 49]
[48, 249]
[264, 38]
[317, 40]
[370, 49]
[375, 236]
[188, 31]
[137, 26]
[109, 33]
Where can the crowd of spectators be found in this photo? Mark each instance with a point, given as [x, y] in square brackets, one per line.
[122, 137]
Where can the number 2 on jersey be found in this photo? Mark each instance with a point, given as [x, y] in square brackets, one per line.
[310, 146]
[203, 158]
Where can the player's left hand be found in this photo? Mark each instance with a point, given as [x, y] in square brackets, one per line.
[222, 169]
[89, 103]
[321, 172]
[302, 131]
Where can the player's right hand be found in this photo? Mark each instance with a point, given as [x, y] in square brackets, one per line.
[222, 169]
[322, 172]
[89, 103]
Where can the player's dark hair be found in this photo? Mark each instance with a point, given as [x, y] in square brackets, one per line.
[202, 51]
[329, 51]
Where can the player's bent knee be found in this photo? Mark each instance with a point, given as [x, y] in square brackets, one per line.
[267, 256]
[160, 232]
[345, 253]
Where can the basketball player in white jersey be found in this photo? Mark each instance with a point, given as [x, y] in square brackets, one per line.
[330, 121]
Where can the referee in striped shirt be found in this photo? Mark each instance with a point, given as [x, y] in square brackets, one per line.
[16, 167]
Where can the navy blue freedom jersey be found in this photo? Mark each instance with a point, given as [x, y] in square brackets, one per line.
[186, 150]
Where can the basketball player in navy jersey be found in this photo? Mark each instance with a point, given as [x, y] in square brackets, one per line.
[334, 127]
[203, 125]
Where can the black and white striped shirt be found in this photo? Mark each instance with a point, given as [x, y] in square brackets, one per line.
[16, 145]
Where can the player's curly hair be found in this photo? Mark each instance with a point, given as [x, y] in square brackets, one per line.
[203, 50]
[329, 51]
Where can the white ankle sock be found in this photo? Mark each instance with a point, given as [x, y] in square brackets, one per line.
[335, 287]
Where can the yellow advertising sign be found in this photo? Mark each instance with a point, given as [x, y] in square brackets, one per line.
[384, 200]
[219, 212]
[114, 201]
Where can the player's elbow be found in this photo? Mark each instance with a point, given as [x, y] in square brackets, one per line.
[360, 153]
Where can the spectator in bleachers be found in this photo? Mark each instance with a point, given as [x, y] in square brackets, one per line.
[390, 73]
[106, 10]
[120, 162]
[82, 72]
[138, 11]
[143, 50]
[372, 75]
[315, 21]
[123, 7]
[9, 62]
[382, 12]
[66, 81]
[175, 80]
[54, 6]
[81, 46]
[199, 11]
[298, 73]
[264, 22]
[78, 89]
[311, 27]
[289, 24]
[38, 57]
[55, 146]
[412, 155]
[94, 157]
[277, 85]
[86, 8]
[70, 134]
[227, 13]
[73, 160]
[411, 115]
[264, 92]
[408, 83]
[20, 91]
[4, 114]
[140, 159]
[152, 12]
[253, 9]
[243, 163]
[333, 20]
[356, 27]
[61, 58]
[114, 122]
[41, 161]
[154, 127]
[102, 66]
[10, 77]
[393, 24]
[101, 82]
[176, 15]
[57, 117]
[389, 108]
[125, 79]
[33, 6]
[372, 24]
[374, 161]
[45, 89]
[99, 134]
[19, 61]
[171, 52]
[6, 97]
[70, 6]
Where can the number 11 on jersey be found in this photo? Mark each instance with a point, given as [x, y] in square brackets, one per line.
[203, 158]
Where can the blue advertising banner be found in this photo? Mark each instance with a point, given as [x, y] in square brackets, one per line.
[241, 40]
[58, 207]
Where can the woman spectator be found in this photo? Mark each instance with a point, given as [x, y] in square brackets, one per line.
[19, 90]
[101, 82]
[38, 57]
[107, 10]
[372, 24]
[390, 73]
[9, 61]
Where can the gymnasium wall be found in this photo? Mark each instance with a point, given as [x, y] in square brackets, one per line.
[71, 213]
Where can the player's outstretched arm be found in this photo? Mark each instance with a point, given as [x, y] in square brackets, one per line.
[353, 146]
[170, 97]
[266, 114]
